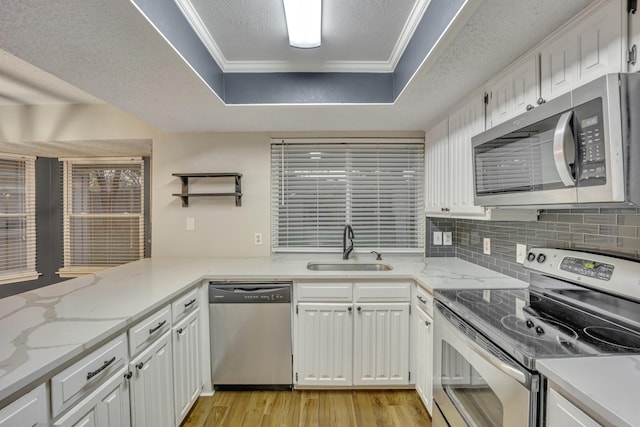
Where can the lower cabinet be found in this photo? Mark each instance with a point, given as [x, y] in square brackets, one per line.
[29, 410]
[152, 385]
[381, 352]
[107, 406]
[187, 382]
[424, 357]
[325, 342]
[562, 413]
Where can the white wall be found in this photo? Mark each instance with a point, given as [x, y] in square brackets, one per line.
[221, 228]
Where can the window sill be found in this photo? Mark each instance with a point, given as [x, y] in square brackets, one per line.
[19, 277]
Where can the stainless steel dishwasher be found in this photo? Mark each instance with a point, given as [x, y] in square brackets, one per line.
[251, 346]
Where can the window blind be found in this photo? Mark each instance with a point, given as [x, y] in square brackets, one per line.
[317, 188]
[17, 219]
[103, 219]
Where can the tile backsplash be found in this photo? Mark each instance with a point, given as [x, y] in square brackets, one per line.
[607, 231]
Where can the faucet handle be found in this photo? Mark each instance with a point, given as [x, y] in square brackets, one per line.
[378, 255]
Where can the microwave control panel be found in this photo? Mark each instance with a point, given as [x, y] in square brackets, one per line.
[590, 138]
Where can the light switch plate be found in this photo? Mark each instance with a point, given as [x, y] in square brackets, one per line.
[190, 224]
[437, 238]
[521, 252]
[447, 238]
[486, 245]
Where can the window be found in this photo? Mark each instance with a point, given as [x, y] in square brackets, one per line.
[376, 186]
[103, 219]
[17, 219]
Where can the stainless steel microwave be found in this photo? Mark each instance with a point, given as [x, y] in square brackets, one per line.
[580, 148]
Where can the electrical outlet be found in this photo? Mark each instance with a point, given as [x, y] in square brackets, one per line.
[447, 238]
[521, 253]
[486, 246]
[257, 239]
[437, 238]
[190, 224]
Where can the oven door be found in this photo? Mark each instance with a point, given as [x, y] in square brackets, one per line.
[475, 382]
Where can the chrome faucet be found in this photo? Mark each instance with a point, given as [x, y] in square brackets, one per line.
[347, 234]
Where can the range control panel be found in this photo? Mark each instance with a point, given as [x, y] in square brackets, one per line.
[589, 268]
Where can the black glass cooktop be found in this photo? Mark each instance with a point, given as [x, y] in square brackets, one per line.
[532, 324]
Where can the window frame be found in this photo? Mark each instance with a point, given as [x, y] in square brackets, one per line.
[68, 269]
[277, 190]
[29, 213]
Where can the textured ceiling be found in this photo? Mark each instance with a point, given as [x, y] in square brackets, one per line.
[109, 50]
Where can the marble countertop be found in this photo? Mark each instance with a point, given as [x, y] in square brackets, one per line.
[43, 329]
[607, 386]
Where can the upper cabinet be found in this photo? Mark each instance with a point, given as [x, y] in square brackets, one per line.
[514, 91]
[588, 47]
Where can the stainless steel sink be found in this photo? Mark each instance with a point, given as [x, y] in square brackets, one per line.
[348, 266]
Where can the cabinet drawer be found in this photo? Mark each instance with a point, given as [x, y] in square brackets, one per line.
[146, 331]
[424, 300]
[76, 381]
[327, 291]
[185, 304]
[28, 410]
[382, 292]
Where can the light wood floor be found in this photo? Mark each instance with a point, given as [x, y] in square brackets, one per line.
[362, 408]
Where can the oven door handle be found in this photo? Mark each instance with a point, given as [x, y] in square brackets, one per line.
[505, 368]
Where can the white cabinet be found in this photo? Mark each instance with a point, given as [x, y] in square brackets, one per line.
[592, 45]
[29, 410]
[514, 92]
[381, 335]
[152, 385]
[424, 357]
[436, 171]
[324, 341]
[107, 406]
[562, 413]
[186, 364]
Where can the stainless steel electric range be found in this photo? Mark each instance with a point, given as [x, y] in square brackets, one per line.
[486, 341]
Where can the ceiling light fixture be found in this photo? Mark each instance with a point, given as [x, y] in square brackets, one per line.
[304, 22]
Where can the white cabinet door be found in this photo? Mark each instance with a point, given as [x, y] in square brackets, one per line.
[29, 410]
[436, 170]
[514, 91]
[424, 357]
[562, 413]
[594, 45]
[152, 385]
[381, 348]
[325, 344]
[107, 406]
[464, 123]
[186, 364]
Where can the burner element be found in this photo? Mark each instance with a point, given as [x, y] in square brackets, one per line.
[614, 337]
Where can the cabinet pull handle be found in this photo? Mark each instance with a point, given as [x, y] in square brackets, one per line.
[529, 107]
[360, 309]
[350, 309]
[422, 300]
[160, 325]
[541, 101]
[128, 375]
[427, 323]
[101, 368]
[179, 331]
[140, 365]
[189, 303]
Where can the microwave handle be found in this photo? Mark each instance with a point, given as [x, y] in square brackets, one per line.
[562, 156]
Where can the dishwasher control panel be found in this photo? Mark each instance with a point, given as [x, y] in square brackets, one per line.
[249, 293]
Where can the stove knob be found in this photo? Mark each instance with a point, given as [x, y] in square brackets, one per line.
[539, 330]
[529, 323]
[531, 256]
[542, 258]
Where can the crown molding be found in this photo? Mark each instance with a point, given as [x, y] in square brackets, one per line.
[407, 32]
